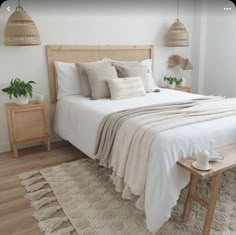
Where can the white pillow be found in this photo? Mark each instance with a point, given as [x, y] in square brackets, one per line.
[68, 82]
[148, 63]
[123, 88]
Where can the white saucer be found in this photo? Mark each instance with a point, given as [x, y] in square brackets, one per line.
[214, 156]
[194, 164]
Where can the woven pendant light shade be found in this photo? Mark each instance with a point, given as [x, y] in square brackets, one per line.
[177, 35]
[21, 30]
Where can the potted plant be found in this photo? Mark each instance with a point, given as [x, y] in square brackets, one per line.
[21, 90]
[173, 81]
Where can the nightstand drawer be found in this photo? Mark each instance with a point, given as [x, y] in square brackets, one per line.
[29, 124]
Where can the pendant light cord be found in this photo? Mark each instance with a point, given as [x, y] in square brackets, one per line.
[177, 9]
[19, 7]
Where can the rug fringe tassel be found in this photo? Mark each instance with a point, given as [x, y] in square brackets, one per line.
[35, 187]
[140, 203]
[49, 225]
[35, 193]
[38, 194]
[44, 201]
[127, 193]
[27, 175]
[63, 231]
[31, 180]
[45, 213]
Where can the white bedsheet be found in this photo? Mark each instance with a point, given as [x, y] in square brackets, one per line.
[77, 120]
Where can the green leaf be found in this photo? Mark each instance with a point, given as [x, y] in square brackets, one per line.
[30, 94]
[5, 89]
[15, 93]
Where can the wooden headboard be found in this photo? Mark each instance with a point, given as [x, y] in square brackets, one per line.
[91, 53]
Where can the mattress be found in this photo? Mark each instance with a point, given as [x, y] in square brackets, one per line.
[77, 120]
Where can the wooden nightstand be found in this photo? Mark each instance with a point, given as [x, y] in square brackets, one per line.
[181, 88]
[28, 123]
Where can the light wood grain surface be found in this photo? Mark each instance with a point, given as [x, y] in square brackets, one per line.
[181, 88]
[15, 211]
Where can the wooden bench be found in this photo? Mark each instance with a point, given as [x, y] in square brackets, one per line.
[229, 162]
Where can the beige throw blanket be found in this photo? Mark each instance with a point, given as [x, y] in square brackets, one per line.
[124, 138]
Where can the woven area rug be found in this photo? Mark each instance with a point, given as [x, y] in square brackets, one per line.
[79, 198]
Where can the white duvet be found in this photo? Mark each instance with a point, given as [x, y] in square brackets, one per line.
[77, 120]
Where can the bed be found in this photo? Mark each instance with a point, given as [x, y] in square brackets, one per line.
[77, 120]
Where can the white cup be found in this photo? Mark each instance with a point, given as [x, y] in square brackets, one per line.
[39, 98]
[202, 159]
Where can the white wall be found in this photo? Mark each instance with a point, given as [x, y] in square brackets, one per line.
[220, 59]
[75, 24]
[217, 47]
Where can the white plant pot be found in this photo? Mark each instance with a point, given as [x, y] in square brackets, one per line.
[22, 100]
[183, 83]
[172, 86]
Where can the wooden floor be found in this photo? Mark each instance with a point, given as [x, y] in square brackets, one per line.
[15, 211]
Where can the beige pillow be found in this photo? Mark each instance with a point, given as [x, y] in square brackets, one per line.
[121, 64]
[86, 90]
[98, 77]
[126, 87]
[133, 71]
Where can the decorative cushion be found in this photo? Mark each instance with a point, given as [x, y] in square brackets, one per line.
[150, 83]
[83, 76]
[134, 71]
[98, 77]
[67, 79]
[120, 68]
[126, 87]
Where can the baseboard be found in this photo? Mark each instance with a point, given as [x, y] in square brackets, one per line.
[5, 147]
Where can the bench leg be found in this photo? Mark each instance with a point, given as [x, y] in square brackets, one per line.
[188, 203]
[212, 203]
[15, 151]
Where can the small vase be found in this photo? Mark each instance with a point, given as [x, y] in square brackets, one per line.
[183, 83]
[22, 100]
[172, 86]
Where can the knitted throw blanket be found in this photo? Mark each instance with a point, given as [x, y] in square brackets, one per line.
[124, 138]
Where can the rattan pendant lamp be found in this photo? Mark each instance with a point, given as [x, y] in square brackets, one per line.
[21, 29]
[177, 35]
